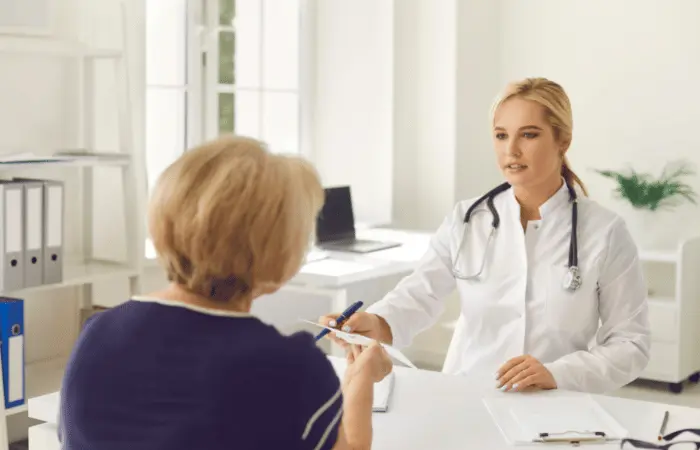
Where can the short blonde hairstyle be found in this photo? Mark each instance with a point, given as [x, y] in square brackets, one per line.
[557, 106]
[229, 218]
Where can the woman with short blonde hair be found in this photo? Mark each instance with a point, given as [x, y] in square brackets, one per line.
[189, 366]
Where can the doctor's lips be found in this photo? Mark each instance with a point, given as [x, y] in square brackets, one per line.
[515, 166]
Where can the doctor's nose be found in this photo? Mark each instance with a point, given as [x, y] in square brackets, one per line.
[512, 148]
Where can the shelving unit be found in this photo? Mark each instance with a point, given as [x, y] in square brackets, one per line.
[82, 271]
[674, 314]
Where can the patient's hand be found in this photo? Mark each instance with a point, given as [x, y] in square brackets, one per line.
[371, 362]
[524, 373]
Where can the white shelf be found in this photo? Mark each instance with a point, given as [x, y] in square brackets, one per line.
[41, 378]
[85, 162]
[665, 302]
[77, 274]
[665, 256]
[54, 48]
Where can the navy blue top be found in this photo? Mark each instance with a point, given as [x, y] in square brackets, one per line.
[155, 375]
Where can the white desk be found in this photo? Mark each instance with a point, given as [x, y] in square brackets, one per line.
[332, 284]
[431, 410]
[344, 268]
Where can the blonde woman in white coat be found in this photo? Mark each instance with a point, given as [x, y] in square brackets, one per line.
[557, 273]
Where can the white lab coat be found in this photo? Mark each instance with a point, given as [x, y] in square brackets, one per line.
[595, 339]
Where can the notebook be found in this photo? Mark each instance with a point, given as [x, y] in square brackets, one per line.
[522, 419]
[382, 393]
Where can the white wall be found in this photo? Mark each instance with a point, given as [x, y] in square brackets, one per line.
[633, 82]
[478, 66]
[353, 101]
[424, 111]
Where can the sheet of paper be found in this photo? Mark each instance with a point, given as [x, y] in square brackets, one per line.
[358, 339]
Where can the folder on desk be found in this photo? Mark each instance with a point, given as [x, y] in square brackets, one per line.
[33, 196]
[12, 350]
[528, 420]
[12, 239]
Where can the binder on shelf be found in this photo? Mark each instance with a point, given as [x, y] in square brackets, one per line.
[33, 232]
[52, 213]
[12, 236]
[53, 231]
[12, 350]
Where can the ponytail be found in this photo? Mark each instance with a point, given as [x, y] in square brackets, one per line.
[571, 178]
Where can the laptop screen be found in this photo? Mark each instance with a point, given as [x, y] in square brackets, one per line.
[336, 220]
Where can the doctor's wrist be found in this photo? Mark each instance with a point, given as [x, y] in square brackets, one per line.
[384, 330]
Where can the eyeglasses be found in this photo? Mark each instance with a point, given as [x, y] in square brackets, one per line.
[632, 444]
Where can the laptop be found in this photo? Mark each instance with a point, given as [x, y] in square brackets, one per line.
[335, 225]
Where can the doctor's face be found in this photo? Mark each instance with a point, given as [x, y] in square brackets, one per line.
[527, 151]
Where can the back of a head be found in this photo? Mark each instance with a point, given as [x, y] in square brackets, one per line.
[229, 218]
[555, 101]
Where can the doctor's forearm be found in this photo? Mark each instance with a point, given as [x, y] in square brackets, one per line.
[601, 370]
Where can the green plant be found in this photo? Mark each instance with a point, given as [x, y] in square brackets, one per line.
[643, 191]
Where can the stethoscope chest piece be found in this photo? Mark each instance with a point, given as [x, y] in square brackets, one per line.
[572, 279]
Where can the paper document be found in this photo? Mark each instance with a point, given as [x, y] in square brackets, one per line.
[358, 339]
[521, 419]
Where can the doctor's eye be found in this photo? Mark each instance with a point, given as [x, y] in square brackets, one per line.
[500, 136]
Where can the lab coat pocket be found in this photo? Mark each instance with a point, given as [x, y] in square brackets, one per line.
[571, 312]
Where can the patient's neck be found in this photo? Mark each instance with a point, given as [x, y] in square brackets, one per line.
[175, 292]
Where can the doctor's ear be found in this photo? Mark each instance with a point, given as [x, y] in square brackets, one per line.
[563, 148]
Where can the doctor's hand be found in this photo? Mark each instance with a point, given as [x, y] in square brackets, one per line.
[524, 373]
[366, 324]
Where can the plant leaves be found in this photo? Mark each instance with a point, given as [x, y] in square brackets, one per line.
[643, 191]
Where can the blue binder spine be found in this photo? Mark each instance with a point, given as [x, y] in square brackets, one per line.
[12, 350]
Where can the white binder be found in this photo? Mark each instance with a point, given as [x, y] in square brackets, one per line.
[33, 232]
[12, 236]
[53, 231]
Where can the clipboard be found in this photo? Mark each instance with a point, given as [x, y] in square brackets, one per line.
[541, 419]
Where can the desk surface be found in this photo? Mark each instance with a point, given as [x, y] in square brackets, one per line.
[431, 410]
[343, 268]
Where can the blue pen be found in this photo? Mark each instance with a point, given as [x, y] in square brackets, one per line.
[352, 309]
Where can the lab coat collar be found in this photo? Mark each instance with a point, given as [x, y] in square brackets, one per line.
[560, 198]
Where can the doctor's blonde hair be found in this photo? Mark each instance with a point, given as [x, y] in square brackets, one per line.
[557, 107]
[229, 219]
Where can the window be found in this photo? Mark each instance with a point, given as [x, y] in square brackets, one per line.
[168, 91]
[252, 71]
[220, 66]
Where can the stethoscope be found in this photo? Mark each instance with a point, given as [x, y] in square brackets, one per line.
[572, 279]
